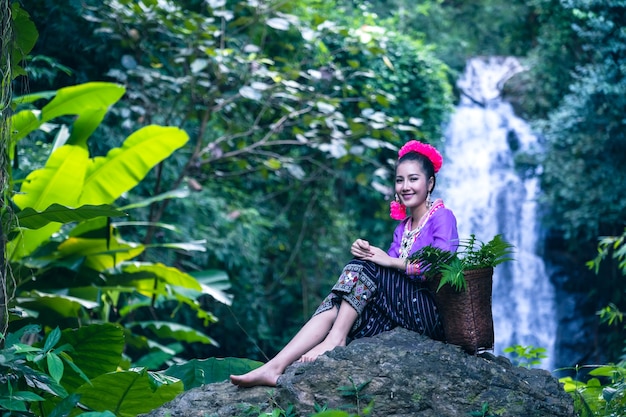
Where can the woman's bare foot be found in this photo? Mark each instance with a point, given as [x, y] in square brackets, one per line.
[326, 345]
[260, 376]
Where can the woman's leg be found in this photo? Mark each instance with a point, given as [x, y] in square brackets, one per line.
[338, 334]
[327, 328]
[313, 332]
[353, 291]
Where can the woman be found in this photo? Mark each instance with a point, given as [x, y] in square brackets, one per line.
[378, 290]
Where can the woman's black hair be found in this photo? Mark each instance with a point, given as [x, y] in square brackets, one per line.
[427, 165]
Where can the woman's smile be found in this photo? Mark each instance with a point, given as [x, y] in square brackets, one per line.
[407, 196]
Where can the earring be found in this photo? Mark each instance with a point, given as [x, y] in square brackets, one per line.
[397, 210]
[428, 202]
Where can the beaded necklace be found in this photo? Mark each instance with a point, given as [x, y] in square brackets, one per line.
[409, 236]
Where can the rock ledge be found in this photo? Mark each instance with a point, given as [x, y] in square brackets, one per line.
[402, 373]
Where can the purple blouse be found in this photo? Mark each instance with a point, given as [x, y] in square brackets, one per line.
[439, 230]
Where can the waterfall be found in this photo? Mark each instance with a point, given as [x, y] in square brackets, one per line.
[488, 196]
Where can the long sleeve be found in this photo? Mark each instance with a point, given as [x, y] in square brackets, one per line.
[442, 232]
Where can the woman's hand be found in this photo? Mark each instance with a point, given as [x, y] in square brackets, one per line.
[361, 249]
[380, 257]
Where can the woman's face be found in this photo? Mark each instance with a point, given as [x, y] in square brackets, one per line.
[412, 184]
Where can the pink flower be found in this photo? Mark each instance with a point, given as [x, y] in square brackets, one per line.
[397, 211]
[425, 149]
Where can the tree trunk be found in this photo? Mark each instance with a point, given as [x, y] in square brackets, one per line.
[6, 47]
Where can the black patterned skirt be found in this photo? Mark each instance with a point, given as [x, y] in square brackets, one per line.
[385, 298]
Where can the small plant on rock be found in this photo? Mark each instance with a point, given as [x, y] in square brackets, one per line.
[355, 391]
[526, 356]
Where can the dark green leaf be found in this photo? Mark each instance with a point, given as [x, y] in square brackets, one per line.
[64, 407]
[97, 350]
[127, 393]
[32, 219]
[198, 372]
[168, 330]
[52, 339]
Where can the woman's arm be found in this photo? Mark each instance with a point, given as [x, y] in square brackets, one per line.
[382, 258]
[361, 249]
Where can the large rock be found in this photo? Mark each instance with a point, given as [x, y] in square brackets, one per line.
[401, 373]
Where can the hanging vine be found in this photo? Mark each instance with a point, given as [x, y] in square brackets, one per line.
[6, 48]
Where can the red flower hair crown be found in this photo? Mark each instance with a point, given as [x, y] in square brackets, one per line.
[425, 149]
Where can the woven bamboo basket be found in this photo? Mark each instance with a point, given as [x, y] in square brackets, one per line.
[467, 315]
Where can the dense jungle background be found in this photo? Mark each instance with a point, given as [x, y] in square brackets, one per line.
[189, 175]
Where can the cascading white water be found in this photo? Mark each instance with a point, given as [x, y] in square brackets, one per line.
[481, 186]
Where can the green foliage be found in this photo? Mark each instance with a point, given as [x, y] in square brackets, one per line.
[611, 250]
[602, 390]
[575, 87]
[128, 393]
[526, 356]
[23, 40]
[601, 393]
[459, 30]
[616, 247]
[23, 365]
[470, 254]
[72, 367]
[549, 63]
[64, 229]
[30, 218]
[586, 149]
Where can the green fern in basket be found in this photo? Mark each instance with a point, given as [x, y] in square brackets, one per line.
[471, 254]
[477, 254]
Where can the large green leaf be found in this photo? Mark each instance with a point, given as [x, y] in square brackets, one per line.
[127, 393]
[198, 372]
[193, 246]
[215, 283]
[161, 280]
[178, 193]
[97, 350]
[158, 355]
[85, 125]
[89, 101]
[169, 330]
[100, 254]
[54, 305]
[24, 39]
[33, 219]
[165, 274]
[60, 182]
[95, 228]
[33, 97]
[22, 123]
[122, 168]
[82, 98]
